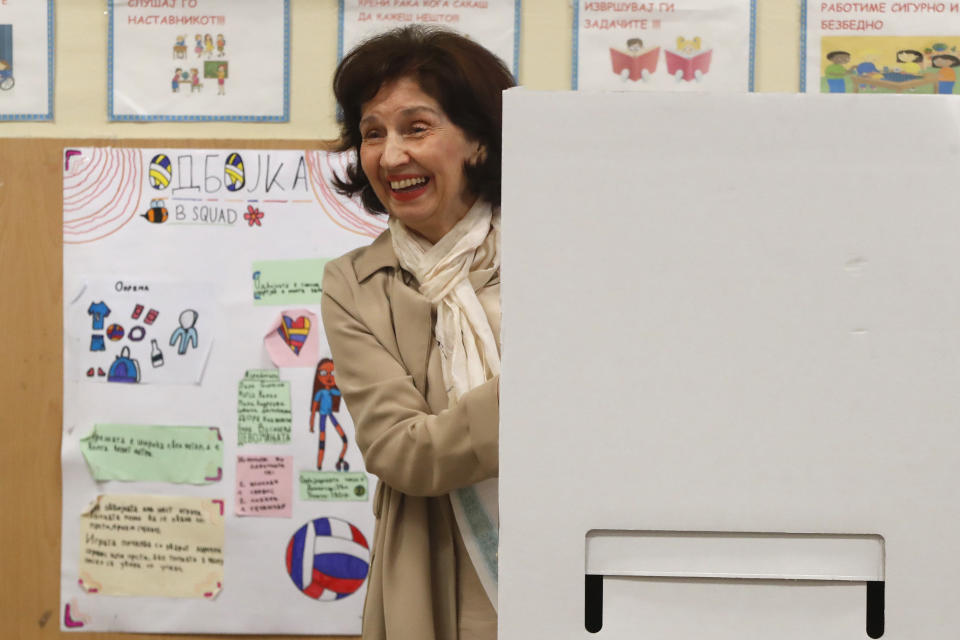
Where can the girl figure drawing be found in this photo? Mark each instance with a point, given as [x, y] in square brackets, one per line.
[326, 401]
[945, 64]
[909, 61]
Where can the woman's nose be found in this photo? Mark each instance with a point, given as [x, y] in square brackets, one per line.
[394, 152]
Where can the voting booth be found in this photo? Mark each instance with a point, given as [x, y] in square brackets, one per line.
[730, 405]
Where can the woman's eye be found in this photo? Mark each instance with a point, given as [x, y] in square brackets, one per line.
[370, 134]
[418, 128]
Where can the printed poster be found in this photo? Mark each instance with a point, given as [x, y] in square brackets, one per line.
[212, 481]
[26, 60]
[687, 45]
[493, 23]
[880, 47]
[199, 60]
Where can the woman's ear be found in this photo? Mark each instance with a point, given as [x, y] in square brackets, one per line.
[480, 155]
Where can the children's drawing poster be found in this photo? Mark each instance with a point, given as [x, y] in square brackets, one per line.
[199, 60]
[880, 47]
[200, 396]
[686, 45]
[493, 23]
[146, 332]
[26, 60]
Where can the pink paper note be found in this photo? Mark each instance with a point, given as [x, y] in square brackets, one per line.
[292, 340]
[264, 486]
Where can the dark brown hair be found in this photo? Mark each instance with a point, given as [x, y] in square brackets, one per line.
[316, 378]
[954, 60]
[464, 78]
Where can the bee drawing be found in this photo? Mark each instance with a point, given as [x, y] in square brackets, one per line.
[157, 212]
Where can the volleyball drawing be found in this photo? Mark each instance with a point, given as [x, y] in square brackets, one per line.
[328, 559]
[161, 171]
[115, 332]
[233, 172]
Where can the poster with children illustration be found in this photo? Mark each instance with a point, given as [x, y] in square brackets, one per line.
[26, 60]
[493, 23]
[880, 47]
[688, 45]
[199, 60]
[212, 481]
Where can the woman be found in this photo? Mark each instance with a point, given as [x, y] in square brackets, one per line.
[413, 322]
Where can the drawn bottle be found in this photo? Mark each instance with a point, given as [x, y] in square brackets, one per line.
[156, 356]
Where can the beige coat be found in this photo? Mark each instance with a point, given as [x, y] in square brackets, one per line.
[380, 331]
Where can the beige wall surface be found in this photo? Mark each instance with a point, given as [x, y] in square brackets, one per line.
[80, 108]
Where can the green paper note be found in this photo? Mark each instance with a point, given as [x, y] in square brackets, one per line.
[127, 452]
[263, 408]
[287, 281]
[333, 485]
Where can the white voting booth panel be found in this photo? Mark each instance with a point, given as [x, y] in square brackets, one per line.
[730, 405]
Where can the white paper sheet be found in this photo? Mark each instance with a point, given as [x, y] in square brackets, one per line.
[199, 60]
[165, 329]
[190, 225]
[493, 23]
[688, 45]
[880, 47]
[26, 60]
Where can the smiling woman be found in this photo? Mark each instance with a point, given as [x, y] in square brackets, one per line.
[413, 156]
[413, 323]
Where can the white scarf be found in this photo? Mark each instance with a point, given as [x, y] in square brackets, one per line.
[468, 352]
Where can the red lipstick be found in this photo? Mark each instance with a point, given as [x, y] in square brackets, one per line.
[409, 193]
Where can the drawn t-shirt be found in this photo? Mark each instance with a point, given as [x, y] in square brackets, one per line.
[910, 67]
[99, 311]
[835, 71]
[325, 399]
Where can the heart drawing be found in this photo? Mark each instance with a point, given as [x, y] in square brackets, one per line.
[294, 332]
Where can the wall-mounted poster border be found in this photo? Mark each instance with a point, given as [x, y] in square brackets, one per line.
[40, 105]
[687, 57]
[880, 47]
[272, 99]
[803, 46]
[487, 35]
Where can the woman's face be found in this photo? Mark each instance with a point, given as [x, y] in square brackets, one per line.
[413, 156]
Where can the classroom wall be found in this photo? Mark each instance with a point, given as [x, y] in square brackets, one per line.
[30, 243]
[545, 61]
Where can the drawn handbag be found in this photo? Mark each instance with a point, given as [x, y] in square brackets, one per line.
[124, 368]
